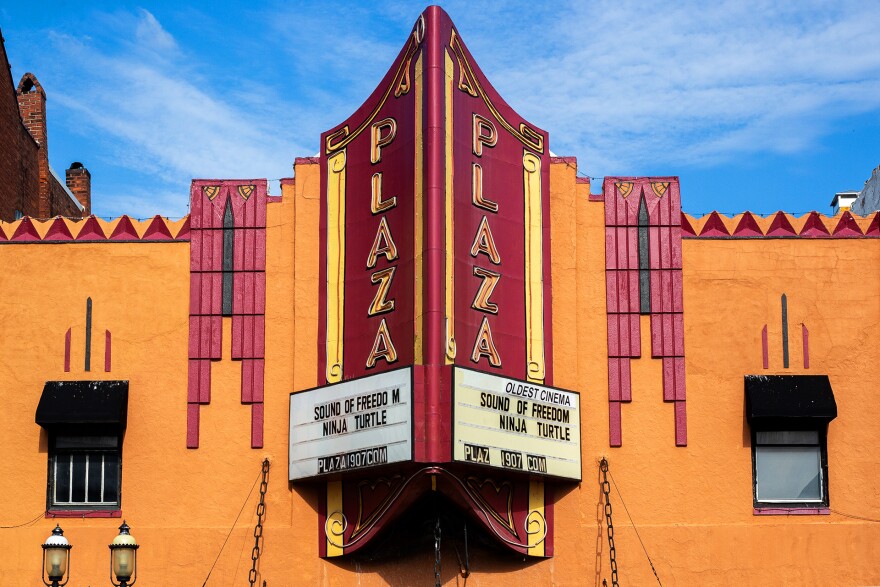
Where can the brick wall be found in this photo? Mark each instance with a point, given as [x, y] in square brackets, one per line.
[19, 152]
[79, 181]
[60, 202]
[32, 105]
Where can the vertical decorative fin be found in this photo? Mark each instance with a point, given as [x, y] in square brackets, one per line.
[257, 425]
[615, 430]
[765, 351]
[419, 227]
[107, 355]
[643, 277]
[534, 269]
[449, 230]
[644, 259]
[227, 265]
[88, 362]
[335, 264]
[228, 252]
[784, 331]
[680, 424]
[192, 426]
[806, 334]
[67, 351]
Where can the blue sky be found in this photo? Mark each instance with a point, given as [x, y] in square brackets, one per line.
[756, 105]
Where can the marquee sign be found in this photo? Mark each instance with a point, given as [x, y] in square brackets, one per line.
[434, 256]
[515, 425]
[357, 424]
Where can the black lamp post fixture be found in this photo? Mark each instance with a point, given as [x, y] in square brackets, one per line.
[56, 559]
[123, 558]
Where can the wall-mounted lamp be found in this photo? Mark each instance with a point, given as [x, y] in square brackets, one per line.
[123, 558]
[56, 559]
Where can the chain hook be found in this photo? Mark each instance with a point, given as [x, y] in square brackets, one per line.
[258, 529]
[437, 553]
[612, 552]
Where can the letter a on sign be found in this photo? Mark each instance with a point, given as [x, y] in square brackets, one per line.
[383, 244]
[383, 348]
[485, 346]
[484, 243]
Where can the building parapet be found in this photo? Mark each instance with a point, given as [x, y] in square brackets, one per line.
[781, 225]
[94, 229]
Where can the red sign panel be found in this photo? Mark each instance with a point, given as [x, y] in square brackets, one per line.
[501, 229]
[368, 182]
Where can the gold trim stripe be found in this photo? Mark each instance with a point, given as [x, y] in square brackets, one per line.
[335, 264]
[536, 505]
[450, 227]
[335, 519]
[418, 249]
[534, 269]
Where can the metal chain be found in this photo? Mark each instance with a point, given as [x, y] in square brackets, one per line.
[258, 529]
[437, 554]
[612, 552]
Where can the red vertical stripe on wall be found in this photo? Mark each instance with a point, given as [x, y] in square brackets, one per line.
[668, 379]
[247, 381]
[107, 351]
[625, 381]
[260, 292]
[260, 249]
[765, 351]
[679, 379]
[635, 335]
[237, 336]
[193, 381]
[257, 425]
[615, 432]
[259, 367]
[216, 329]
[681, 438]
[192, 426]
[614, 379]
[610, 248]
[259, 337]
[806, 334]
[67, 351]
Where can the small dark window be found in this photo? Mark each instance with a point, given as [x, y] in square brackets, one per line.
[790, 468]
[84, 471]
[789, 416]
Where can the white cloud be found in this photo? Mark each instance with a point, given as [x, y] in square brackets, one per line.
[693, 82]
[147, 101]
[150, 33]
[620, 84]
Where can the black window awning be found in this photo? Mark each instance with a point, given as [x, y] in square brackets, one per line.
[83, 402]
[786, 400]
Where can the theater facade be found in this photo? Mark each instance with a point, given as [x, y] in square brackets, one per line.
[437, 357]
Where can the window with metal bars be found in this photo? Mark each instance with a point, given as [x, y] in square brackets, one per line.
[84, 472]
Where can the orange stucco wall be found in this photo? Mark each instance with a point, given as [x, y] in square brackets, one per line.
[692, 505]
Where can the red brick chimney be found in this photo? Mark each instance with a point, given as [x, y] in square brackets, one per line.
[32, 106]
[79, 181]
